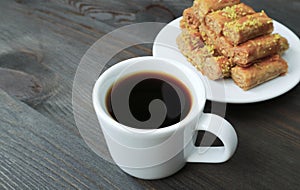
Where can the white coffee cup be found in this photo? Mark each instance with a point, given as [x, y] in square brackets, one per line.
[158, 153]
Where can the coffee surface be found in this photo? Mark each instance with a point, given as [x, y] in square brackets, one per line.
[148, 100]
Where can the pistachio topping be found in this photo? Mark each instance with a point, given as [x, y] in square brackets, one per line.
[251, 22]
[277, 36]
[230, 12]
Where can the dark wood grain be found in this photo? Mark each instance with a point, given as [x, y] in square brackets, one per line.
[40, 146]
[34, 157]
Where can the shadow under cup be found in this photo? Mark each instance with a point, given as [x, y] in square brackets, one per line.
[149, 153]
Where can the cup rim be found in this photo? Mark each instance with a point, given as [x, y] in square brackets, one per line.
[189, 117]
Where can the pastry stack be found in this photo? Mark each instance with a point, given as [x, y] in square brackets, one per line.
[227, 38]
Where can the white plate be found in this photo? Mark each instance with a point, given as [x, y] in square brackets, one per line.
[225, 90]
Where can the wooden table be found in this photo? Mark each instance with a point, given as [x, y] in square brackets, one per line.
[41, 44]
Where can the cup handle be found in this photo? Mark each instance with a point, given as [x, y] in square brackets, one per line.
[224, 131]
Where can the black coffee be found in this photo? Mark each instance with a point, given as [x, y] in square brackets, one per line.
[148, 100]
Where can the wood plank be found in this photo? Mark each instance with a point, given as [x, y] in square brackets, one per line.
[36, 153]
